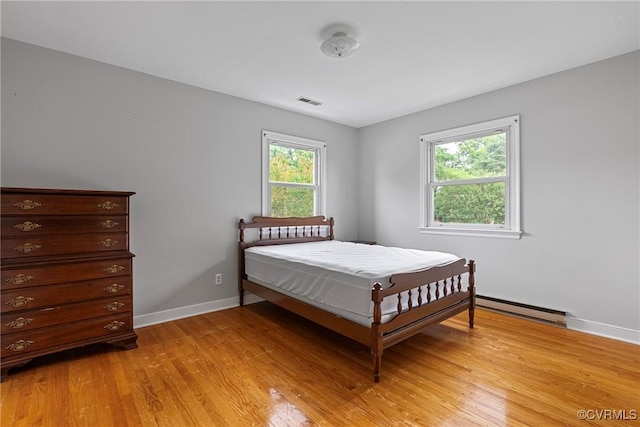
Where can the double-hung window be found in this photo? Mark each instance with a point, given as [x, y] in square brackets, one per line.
[470, 180]
[293, 175]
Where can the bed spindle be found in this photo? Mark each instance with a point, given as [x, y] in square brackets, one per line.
[438, 290]
[444, 287]
[410, 304]
[419, 296]
[428, 293]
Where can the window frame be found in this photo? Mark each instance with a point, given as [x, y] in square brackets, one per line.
[296, 142]
[511, 229]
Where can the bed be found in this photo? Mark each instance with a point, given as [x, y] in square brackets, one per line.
[297, 264]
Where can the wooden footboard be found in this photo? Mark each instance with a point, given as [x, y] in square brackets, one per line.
[431, 295]
[439, 293]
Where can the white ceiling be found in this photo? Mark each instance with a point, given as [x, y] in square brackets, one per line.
[413, 55]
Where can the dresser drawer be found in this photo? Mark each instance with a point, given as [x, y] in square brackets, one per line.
[65, 313]
[34, 246]
[38, 204]
[37, 339]
[64, 272]
[47, 296]
[22, 226]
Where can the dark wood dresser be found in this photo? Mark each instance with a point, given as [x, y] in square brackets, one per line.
[66, 272]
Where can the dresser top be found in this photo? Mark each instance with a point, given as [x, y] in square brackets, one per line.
[16, 190]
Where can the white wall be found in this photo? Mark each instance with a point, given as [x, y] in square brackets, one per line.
[580, 193]
[192, 156]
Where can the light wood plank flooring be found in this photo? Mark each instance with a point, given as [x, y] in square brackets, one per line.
[262, 366]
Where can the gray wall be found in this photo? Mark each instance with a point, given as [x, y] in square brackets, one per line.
[191, 155]
[580, 193]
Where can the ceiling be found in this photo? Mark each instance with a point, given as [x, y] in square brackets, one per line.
[412, 56]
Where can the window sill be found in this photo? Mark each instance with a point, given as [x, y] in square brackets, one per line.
[470, 232]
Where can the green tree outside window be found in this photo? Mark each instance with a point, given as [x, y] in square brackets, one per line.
[470, 203]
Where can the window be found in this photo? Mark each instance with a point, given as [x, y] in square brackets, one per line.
[293, 174]
[470, 180]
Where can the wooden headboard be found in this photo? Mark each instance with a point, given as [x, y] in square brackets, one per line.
[277, 231]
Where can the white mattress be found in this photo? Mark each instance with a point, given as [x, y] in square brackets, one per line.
[337, 276]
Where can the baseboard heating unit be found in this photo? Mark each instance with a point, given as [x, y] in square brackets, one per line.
[522, 310]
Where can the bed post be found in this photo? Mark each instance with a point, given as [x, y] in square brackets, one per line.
[331, 228]
[241, 262]
[376, 335]
[472, 291]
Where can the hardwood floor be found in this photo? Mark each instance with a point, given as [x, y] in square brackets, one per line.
[262, 366]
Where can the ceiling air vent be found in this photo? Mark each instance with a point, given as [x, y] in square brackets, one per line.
[309, 101]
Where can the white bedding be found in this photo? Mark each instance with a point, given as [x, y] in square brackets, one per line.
[337, 276]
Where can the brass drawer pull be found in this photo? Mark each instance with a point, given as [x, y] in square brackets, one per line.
[19, 301]
[108, 205]
[19, 279]
[114, 306]
[27, 226]
[20, 322]
[114, 326]
[113, 288]
[108, 224]
[20, 345]
[113, 269]
[27, 205]
[107, 243]
[27, 248]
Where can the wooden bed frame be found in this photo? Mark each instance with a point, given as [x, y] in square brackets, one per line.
[451, 298]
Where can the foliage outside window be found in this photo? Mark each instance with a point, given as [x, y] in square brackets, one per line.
[292, 175]
[470, 180]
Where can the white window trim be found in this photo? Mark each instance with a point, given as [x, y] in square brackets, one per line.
[513, 231]
[269, 137]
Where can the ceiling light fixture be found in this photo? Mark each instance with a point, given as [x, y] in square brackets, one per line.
[339, 45]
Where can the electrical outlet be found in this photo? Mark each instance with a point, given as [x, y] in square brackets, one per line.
[219, 279]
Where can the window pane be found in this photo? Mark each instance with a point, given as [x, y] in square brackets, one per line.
[287, 201]
[470, 204]
[479, 157]
[293, 165]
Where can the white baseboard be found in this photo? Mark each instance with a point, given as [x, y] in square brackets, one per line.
[559, 318]
[603, 330]
[191, 310]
